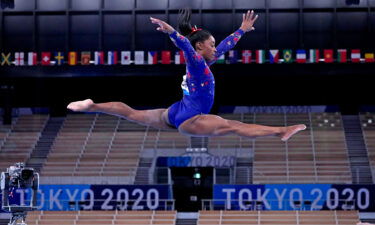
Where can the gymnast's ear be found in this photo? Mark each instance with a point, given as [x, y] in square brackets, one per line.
[199, 45]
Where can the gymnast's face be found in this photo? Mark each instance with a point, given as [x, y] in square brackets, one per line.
[207, 48]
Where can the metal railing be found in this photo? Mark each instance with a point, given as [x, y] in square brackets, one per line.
[274, 204]
[162, 175]
[104, 204]
[360, 172]
[87, 179]
[373, 173]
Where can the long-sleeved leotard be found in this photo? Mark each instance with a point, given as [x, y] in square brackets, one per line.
[200, 91]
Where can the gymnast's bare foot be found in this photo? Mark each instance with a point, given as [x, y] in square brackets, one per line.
[291, 130]
[81, 106]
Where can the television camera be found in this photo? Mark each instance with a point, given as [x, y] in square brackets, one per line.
[18, 177]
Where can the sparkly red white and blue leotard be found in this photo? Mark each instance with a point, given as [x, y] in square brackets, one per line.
[199, 96]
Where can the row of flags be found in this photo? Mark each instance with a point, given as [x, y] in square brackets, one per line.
[89, 58]
[152, 57]
[312, 56]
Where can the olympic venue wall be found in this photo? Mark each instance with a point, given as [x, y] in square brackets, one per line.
[226, 197]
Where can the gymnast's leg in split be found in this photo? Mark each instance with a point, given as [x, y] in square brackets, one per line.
[200, 125]
[213, 125]
[156, 118]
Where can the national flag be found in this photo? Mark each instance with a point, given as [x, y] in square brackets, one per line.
[287, 55]
[341, 55]
[32, 59]
[260, 57]
[19, 58]
[166, 57]
[152, 57]
[274, 56]
[112, 57]
[232, 56]
[301, 56]
[73, 58]
[314, 56]
[5, 59]
[59, 57]
[328, 55]
[139, 57]
[221, 59]
[125, 58]
[85, 58]
[246, 56]
[179, 57]
[369, 57]
[46, 58]
[356, 55]
[99, 58]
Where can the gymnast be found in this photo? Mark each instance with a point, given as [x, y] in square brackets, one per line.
[190, 116]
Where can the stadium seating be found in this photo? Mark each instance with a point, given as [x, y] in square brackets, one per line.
[278, 217]
[101, 217]
[5, 131]
[18, 140]
[68, 145]
[316, 155]
[368, 128]
[270, 154]
[205, 217]
[331, 154]
[95, 145]
[91, 145]
[168, 139]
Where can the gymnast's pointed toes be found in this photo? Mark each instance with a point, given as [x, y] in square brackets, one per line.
[80, 106]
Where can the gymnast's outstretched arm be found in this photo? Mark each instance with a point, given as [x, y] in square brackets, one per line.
[180, 41]
[229, 42]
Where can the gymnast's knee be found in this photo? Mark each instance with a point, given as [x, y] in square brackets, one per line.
[191, 129]
[188, 131]
[199, 129]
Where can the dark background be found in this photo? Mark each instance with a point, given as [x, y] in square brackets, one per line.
[91, 25]
[185, 186]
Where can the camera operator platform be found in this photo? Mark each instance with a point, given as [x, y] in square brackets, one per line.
[18, 176]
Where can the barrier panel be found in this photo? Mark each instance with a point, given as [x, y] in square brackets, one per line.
[98, 197]
[293, 197]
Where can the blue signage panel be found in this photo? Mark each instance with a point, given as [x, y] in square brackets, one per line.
[295, 197]
[134, 197]
[197, 161]
[15, 197]
[97, 197]
[1, 202]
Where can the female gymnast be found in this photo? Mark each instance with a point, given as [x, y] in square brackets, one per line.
[191, 114]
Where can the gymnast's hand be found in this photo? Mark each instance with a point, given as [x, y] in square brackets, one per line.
[163, 26]
[248, 21]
